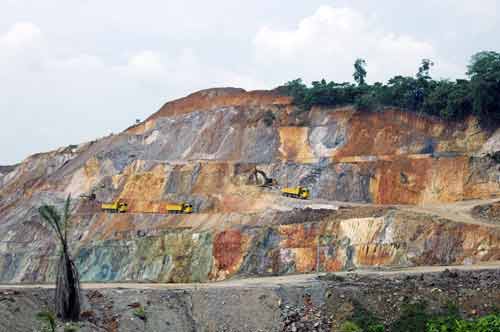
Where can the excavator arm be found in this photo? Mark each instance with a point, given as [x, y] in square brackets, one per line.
[267, 182]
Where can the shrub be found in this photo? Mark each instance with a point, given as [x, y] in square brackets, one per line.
[490, 323]
[48, 320]
[413, 318]
[349, 326]
[71, 328]
[140, 313]
[376, 328]
[364, 318]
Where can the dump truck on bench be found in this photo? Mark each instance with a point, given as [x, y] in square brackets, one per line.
[296, 192]
[179, 208]
[118, 206]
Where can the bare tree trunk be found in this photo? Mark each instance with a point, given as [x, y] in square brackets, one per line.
[67, 288]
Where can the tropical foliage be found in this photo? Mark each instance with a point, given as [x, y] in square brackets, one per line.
[490, 323]
[448, 99]
[416, 317]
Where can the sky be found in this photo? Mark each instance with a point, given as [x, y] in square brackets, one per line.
[75, 70]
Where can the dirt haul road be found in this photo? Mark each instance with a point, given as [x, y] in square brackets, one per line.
[460, 211]
[457, 211]
[269, 282]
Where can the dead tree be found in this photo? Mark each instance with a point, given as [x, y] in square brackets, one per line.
[67, 297]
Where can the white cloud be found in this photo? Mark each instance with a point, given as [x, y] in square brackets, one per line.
[106, 67]
[184, 69]
[78, 62]
[328, 42]
[144, 64]
[486, 9]
[20, 35]
[23, 45]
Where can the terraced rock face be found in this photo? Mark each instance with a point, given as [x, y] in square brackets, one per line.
[203, 149]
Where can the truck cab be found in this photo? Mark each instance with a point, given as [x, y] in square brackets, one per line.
[118, 206]
[179, 208]
[296, 192]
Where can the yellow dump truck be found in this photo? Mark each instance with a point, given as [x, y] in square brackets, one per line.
[296, 192]
[118, 206]
[179, 208]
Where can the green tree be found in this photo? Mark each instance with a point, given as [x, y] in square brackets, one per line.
[437, 99]
[296, 89]
[424, 69]
[67, 298]
[359, 71]
[449, 100]
[403, 92]
[350, 327]
[484, 73]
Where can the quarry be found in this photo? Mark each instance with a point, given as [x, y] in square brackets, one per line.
[386, 191]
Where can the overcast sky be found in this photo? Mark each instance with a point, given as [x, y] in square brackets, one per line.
[74, 70]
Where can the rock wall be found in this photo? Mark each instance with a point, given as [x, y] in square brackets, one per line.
[203, 148]
[321, 244]
[217, 247]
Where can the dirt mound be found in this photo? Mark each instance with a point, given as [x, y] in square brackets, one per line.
[488, 212]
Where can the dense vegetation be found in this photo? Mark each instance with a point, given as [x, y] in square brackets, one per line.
[451, 100]
[415, 318]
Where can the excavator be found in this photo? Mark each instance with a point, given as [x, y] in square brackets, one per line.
[296, 192]
[178, 208]
[118, 206]
[89, 197]
[267, 182]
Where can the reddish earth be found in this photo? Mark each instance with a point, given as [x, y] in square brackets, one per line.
[227, 250]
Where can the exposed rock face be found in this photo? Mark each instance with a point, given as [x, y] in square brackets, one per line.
[492, 146]
[203, 148]
[296, 243]
[488, 212]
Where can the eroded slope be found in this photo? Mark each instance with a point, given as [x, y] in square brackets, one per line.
[203, 149]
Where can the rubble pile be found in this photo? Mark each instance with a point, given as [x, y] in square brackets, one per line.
[305, 318]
